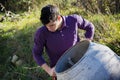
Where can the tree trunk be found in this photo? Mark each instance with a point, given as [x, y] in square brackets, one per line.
[117, 4]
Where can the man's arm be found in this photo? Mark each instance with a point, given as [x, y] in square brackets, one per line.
[87, 26]
[39, 41]
[38, 47]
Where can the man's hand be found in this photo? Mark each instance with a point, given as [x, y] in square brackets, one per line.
[88, 39]
[50, 71]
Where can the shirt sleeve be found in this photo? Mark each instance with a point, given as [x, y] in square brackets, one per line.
[85, 25]
[38, 47]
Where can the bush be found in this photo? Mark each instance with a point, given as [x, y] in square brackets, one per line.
[17, 5]
[101, 6]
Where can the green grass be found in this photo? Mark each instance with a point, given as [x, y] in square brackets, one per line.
[16, 38]
[107, 30]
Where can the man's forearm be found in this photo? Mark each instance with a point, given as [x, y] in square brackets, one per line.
[48, 69]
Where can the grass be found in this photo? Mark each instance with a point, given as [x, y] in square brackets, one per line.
[107, 30]
[16, 38]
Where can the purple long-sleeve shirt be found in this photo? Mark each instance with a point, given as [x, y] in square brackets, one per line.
[56, 43]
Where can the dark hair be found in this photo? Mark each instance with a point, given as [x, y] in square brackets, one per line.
[49, 13]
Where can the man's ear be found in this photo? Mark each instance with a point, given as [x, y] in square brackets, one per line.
[59, 17]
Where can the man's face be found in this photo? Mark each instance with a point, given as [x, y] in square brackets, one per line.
[53, 26]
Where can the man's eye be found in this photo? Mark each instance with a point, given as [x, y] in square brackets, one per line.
[52, 25]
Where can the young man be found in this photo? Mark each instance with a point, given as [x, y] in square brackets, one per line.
[58, 34]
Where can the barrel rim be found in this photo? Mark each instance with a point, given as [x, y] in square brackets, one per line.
[76, 62]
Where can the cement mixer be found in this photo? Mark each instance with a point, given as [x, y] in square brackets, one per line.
[88, 61]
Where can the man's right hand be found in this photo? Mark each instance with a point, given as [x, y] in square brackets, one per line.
[50, 71]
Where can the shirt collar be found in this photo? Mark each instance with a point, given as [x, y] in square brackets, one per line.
[63, 22]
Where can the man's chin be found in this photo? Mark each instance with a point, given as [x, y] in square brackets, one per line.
[52, 30]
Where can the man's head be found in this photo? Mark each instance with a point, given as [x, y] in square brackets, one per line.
[50, 17]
